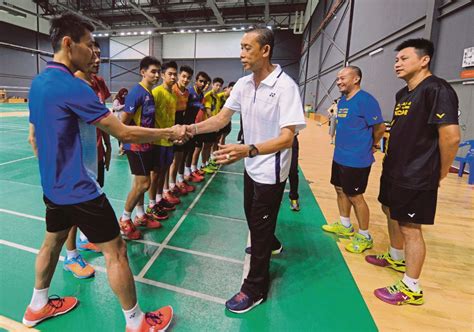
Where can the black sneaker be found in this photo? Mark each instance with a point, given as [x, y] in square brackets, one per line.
[164, 204]
[157, 213]
[276, 251]
[241, 302]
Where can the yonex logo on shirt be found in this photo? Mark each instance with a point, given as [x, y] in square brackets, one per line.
[375, 117]
[273, 94]
[132, 108]
[411, 215]
[440, 115]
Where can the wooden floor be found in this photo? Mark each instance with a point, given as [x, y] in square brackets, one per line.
[448, 275]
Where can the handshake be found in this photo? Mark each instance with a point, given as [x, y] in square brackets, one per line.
[182, 133]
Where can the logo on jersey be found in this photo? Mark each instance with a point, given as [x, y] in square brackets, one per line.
[411, 215]
[402, 109]
[273, 94]
[440, 116]
[132, 108]
[375, 117]
[356, 189]
[342, 112]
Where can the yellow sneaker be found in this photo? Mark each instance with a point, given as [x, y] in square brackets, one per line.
[359, 243]
[339, 229]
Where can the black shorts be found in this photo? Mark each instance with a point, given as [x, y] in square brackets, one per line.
[206, 138]
[141, 162]
[352, 180]
[95, 218]
[408, 205]
[162, 156]
[226, 130]
[180, 118]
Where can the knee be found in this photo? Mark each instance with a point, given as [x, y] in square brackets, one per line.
[356, 199]
[116, 253]
[142, 185]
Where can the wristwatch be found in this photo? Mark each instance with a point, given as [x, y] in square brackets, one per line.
[253, 151]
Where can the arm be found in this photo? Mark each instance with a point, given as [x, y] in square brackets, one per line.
[126, 118]
[448, 141]
[233, 152]
[134, 134]
[108, 149]
[32, 139]
[379, 130]
[212, 124]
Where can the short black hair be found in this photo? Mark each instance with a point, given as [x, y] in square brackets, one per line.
[147, 61]
[265, 37]
[68, 25]
[357, 71]
[186, 69]
[203, 75]
[169, 64]
[96, 44]
[218, 80]
[422, 46]
[231, 84]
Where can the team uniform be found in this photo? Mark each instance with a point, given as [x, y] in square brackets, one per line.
[213, 102]
[227, 129]
[411, 168]
[195, 104]
[140, 103]
[63, 110]
[353, 155]
[181, 108]
[165, 113]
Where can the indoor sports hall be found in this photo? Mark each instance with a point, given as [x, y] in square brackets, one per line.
[200, 256]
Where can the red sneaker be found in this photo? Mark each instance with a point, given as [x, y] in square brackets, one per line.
[185, 186]
[156, 321]
[177, 192]
[157, 213]
[56, 306]
[169, 201]
[128, 230]
[146, 221]
[200, 172]
[194, 177]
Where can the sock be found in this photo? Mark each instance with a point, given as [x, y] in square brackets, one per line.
[126, 215]
[133, 317]
[71, 254]
[346, 221]
[179, 178]
[165, 191]
[193, 168]
[82, 237]
[159, 197]
[39, 298]
[152, 203]
[397, 254]
[365, 233]
[140, 211]
[187, 171]
[413, 284]
[172, 185]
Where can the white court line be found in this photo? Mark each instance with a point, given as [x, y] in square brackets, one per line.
[226, 172]
[220, 217]
[29, 216]
[22, 183]
[17, 160]
[136, 278]
[175, 229]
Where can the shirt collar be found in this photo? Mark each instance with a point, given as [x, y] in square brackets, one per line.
[58, 65]
[271, 79]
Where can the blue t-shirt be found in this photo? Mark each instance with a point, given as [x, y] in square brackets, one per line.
[355, 120]
[140, 103]
[195, 103]
[62, 109]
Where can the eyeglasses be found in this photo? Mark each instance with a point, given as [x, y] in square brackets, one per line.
[202, 81]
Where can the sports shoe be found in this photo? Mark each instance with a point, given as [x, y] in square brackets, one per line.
[56, 306]
[294, 205]
[184, 185]
[156, 212]
[385, 260]
[241, 302]
[213, 163]
[176, 192]
[156, 321]
[86, 246]
[79, 267]
[200, 172]
[339, 229]
[208, 169]
[194, 177]
[275, 251]
[146, 221]
[359, 243]
[128, 230]
[169, 201]
[399, 294]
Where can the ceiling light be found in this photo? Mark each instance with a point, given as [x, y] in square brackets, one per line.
[142, 32]
[269, 27]
[242, 28]
[182, 31]
[190, 30]
[197, 30]
[94, 35]
[213, 30]
[205, 30]
[148, 32]
[106, 34]
[100, 35]
[234, 28]
[129, 33]
[122, 34]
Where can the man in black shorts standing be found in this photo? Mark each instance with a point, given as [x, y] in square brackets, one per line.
[423, 142]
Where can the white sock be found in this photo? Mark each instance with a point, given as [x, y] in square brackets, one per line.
[159, 197]
[187, 171]
[193, 168]
[133, 317]
[397, 254]
[165, 191]
[172, 185]
[71, 254]
[126, 215]
[365, 233]
[346, 221]
[82, 237]
[140, 211]
[39, 298]
[179, 178]
[152, 203]
[413, 284]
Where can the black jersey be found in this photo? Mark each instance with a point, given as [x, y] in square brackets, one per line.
[412, 159]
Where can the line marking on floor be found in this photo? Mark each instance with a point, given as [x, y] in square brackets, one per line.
[228, 172]
[220, 217]
[175, 228]
[16, 160]
[136, 278]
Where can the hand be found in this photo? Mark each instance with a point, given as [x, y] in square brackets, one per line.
[191, 130]
[108, 157]
[230, 153]
[179, 133]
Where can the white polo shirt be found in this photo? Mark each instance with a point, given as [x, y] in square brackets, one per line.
[275, 104]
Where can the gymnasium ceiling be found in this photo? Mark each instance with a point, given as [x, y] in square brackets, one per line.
[177, 15]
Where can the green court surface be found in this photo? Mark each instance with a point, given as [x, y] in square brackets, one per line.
[195, 262]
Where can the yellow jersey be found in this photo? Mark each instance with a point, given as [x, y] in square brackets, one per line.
[165, 110]
[213, 102]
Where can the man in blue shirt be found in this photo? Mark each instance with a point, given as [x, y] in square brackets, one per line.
[64, 113]
[360, 126]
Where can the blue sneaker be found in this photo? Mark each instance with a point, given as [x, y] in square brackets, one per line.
[79, 267]
[240, 303]
[86, 246]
